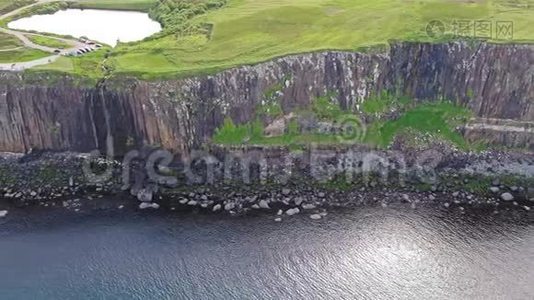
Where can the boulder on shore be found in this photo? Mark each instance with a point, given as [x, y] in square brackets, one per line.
[264, 204]
[229, 206]
[144, 195]
[292, 211]
[315, 217]
[145, 205]
[507, 197]
[308, 206]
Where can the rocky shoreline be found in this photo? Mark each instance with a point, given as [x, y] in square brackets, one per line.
[496, 180]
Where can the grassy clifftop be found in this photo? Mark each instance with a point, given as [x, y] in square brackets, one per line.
[201, 37]
[247, 31]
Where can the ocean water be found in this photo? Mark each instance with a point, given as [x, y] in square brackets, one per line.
[369, 252]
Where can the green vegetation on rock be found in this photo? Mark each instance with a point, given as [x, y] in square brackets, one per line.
[417, 123]
[324, 109]
[435, 119]
[253, 134]
[384, 103]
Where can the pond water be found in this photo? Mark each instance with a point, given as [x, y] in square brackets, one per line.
[366, 253]
[104, 26]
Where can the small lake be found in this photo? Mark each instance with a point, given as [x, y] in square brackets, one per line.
[105, 26]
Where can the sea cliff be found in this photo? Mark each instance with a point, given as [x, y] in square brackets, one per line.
[49, 119]
[58, 113]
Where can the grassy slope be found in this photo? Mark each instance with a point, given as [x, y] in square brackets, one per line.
[250, 31]
[21, 55]
[89, 65]
[8, 41]
[47, 41]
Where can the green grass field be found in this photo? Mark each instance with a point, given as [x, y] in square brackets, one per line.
[21, 55]
[47, 41]
[9, 42]
[90, 65]
[252, 31]
[247, 31]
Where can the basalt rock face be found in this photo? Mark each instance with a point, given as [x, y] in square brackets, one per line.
[42, 116]
[495, 81]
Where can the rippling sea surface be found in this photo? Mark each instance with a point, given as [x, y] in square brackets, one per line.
[371, 252]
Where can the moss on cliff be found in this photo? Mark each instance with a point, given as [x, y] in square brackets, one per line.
[329, 124]
[437, 120]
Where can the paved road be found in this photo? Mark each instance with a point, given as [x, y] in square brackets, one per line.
[22, 36]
